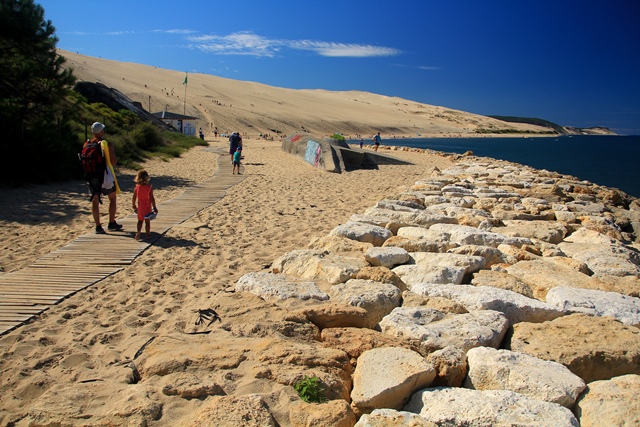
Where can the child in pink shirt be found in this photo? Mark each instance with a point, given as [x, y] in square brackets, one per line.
[146, 203]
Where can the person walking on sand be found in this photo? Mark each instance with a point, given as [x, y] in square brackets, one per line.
[109, 186]
[236, 160]
[235, 141]
[361, 143]
[143, 202]
[376, 141]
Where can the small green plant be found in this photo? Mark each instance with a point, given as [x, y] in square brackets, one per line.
[338, 137]
[310, 389]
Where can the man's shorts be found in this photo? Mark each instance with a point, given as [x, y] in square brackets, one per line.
[107, 191]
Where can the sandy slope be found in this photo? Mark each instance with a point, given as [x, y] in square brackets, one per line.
[254, 108]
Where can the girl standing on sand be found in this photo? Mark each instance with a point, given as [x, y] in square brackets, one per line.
[143, 194]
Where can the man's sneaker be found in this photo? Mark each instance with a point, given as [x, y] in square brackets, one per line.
[100, 230]
[115, 226]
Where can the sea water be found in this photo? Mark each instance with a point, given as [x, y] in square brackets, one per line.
[608, 160]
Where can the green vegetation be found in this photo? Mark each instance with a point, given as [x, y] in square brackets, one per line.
[513, 131]
[134, 140]
[338, 137]
[310, 389]
[44, 122]
[532, 121]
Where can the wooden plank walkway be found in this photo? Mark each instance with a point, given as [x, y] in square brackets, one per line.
[90, 258]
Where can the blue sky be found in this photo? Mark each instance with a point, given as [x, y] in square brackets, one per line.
[576, 63]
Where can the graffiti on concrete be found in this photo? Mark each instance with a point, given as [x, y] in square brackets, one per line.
[313, 153]
[295, 137]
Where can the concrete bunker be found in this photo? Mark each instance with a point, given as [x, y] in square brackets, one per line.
[333, 155]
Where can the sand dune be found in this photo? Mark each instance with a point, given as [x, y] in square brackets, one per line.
[254, 108]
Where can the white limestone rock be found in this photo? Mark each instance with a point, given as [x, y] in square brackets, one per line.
[399, 205]
[565, 217]
[547, 231]
[391, 220]
[516, 307]
[278, 286]
[362, 232]
[491, 369]
[337, 244]
[496, 193]
[465, 235]
[586, 207]
[434, 331]
[379, 299]
[624, 308]
[435, 200]
[471, 263]
[412, 274]
[458, 211]
[424, 237]
[454, 190]
[602, 254]
[451, 366]
[386, 256]
[502, 280]
[392, 418]
[611, 402]
[386, 377]
[491, 255]
[430, 267]
[316, 264]
[379, 217]
[541, 275]
[491, 408]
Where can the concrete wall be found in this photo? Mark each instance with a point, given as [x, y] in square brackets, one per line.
[332, 155]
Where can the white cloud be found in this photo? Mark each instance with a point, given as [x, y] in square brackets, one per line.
[248, 43]
[243, 43]
[419, 67]
[176, 31]
[119, 33]
[343, 50]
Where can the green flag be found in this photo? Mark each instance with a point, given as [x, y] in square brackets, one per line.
[185, 79]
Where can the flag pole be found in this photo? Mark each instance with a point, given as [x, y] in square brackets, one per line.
[185, 83]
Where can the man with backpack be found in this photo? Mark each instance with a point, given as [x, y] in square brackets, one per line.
[235, 141]
[98, 158]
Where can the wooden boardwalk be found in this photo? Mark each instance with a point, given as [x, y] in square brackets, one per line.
[93, 257]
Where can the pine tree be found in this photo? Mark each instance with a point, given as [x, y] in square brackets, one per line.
[33, 83]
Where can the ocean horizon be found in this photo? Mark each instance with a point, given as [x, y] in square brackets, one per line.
[609, 160]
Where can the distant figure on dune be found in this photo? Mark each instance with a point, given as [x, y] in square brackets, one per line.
[376, 140]
[201, 134]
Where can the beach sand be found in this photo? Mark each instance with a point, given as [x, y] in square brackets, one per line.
[281, 205]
